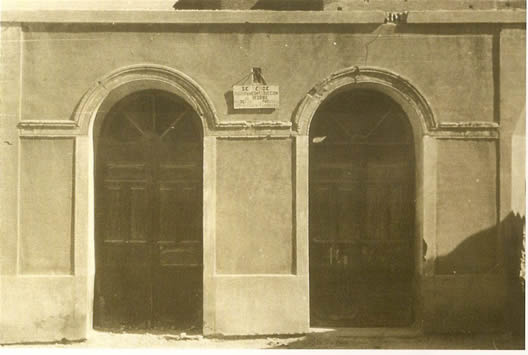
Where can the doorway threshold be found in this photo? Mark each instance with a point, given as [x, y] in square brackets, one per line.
[407, 332]
[169, 332]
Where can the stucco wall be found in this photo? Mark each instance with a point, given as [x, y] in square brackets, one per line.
[440, 62]
[259, 281]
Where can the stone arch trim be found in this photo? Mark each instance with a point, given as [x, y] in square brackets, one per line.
[145, 76]
[382, 80]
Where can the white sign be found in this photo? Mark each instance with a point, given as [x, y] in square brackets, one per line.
[256, 96]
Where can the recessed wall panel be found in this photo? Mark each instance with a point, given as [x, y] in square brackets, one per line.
[254, 223]
[46, 192]
[467, 207]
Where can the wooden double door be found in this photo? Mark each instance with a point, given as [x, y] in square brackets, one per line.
[149, 215]
[361, 214]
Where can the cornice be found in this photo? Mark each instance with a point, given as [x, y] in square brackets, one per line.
[372, 16]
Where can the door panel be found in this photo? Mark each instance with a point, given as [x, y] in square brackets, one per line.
[148, 215]
[179, 253]
[350, 210]
[139, 213]
[361, 214]
[360, 252]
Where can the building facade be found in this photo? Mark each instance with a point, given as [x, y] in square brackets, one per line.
[379, 181]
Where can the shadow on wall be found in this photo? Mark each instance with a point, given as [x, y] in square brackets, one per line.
[344, 339]
[279, 5]
[477, 254]
[513, 231]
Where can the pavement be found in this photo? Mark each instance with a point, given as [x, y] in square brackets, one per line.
[317, 338]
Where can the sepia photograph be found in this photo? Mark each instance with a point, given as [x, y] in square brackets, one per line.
[262, 174]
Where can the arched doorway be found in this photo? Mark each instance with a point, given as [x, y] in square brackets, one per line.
[148, 214]
[362, 212]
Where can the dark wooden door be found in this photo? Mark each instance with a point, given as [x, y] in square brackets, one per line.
[149, 215]
[361, 215]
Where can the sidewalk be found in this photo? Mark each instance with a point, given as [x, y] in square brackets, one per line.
[316, 339]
